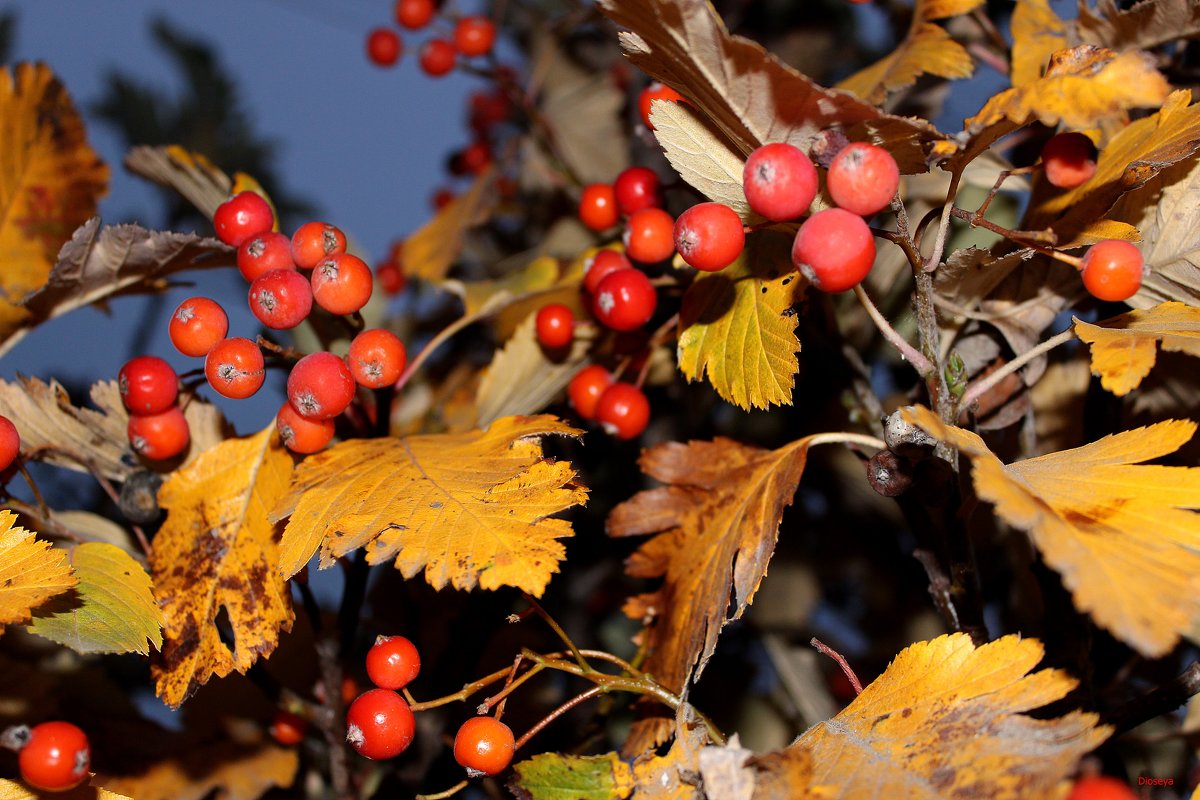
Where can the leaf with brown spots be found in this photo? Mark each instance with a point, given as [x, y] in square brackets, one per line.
[1124, 348]
[946, 719]
[1124, 536]
[30, 571]
[226, 770]
[216, 556]
[469, 509]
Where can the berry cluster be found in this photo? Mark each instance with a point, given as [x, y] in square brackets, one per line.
[149, 389]
[472, 36]
[53, 756]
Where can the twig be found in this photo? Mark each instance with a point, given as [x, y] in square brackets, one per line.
[578, 699]
[1033, 239]
[1156, 702]
[861, 439]
[841, 662]
[943, 232]
[939, 587]
[562, 635]
[977, 389]
[909, 353]
[33, 487]
[48, 523]
[330, 718]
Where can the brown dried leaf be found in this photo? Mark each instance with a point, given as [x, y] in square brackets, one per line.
[1124, 348]
[30, 571]
[749, 95]
[431, 250]
[224, 770]
[193, 176]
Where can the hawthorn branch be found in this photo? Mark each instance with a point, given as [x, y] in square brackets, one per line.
[978, 388]
[920, 363]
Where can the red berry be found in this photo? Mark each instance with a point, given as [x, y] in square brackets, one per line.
[598, 267]
[377, 358]
[655, 91]
[379, 724]
[1113, 270]
[472, 159]
[148, 385]
[314, 242]
[1069, 160]
[383, 47]
[414, 14]
[301, 435]
[281, 298]
[390, 277]
[1101, 787]
[863, 178]
[197, 325]
[623, 410]
[320, 386]
[474, 36]
[342, 284]
[649, 235]
[585, 389]
[244, 215]
[484, 745]
[555, 326]
[780, 181]
[625, 300]
[159, 436]
[487, 109]
[709, 236]
[598, 206]
[10, 443]
[393, 662]
[834, 250]
[56, 757]
[637, 188]
[287, 728]
[234, 368]
[264, 252]
[437, 57]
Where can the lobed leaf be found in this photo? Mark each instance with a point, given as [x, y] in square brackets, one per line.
[702, 156]
[31, 572]
[1124, 348]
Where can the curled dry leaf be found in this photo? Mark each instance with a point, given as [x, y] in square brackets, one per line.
[469, 509]
[192, 175]
[1146, 25]
[553, 776]
[431, 250]
[30, 571]
[946, 719]
[1124, 536]
[725, 772]
[49, 186]
[1124, 348]
[217, 551]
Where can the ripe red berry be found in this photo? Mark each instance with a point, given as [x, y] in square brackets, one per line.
[474, 36]
[1069, 159]
[487, 109]
[655, 91]
[320, 386]
[1101, 787]
[472, 159]
[301, 435]
[637, 188]
[379, 724]
[383, 47]
[441, 198]
[585, 389]
[649, 235]
[625, 300]
[623, 410]
[281, 298]
[438, 57]
[148, 385]
[56, 757]
[484, 745]
[598, 267]
[263, 253]
[709, 236]
[342, 284]
[377, 358]
[313, 242]
[834, 250]
[779, 181]
[287, 728]
[393, 662]
[390, 272]
[414, 14]
[598, 206]
[159, 436]
[555, 326]
[10, 443]
[1113, 270]
[197, 325]
[234, 368]
[244, 215]
[863, 178]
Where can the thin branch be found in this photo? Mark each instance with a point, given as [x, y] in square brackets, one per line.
[558, 631]
[977, 389]
[1156, 702]
[841, 662]
[578, 699]
[920, 363]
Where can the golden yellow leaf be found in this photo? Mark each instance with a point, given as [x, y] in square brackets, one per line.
[31, 572]
[1103, 229]
[226, 770]
[702, 156]
[737, 327]
[1038, 33]
[470, 509]
[1124, 348]
[50, 180]
[430, 251]
[488, 295]
[217, 552]
[787, 773]
[716, 522]
[946, 720]
[747, 93]
[12, 790]
[193, 176]
[1120, 533]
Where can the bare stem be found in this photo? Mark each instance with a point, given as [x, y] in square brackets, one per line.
[562, 635]
[841, 662]
[578, 699]
[978, 388]
[453, 790]
[909, 353]
[943, 232]
[861, 439]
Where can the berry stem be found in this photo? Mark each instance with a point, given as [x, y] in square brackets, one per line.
[498, 699]
[442, 795]
[540, 725]
[1036, 240]
[977, 389]
[909, 353]
[289, 353]
[562, 634]
[44, 524]
[33, 487]
[841, 662]
[1000, 179]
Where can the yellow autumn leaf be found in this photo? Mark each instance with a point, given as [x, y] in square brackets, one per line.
[431, 250]
[1037, 34]
[1120, 533]
[31, 572]
[50, 180]
[480, 297]
[737, 327]
[469, 509]
[1124, 348]
[12, 790]
[228, 770]
[947, 719]
[217, 551]
[702, 156]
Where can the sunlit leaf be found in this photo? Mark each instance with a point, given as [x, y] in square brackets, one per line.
[702, 156]
[430, 252]
[487, 295]
[12, 790]
[224, 770]
[551, 776]
[30, 571]
[1038, 33]
[1124, 348]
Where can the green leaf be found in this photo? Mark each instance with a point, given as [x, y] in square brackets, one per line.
[736, 325]
[554, 777]
[111, 610]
